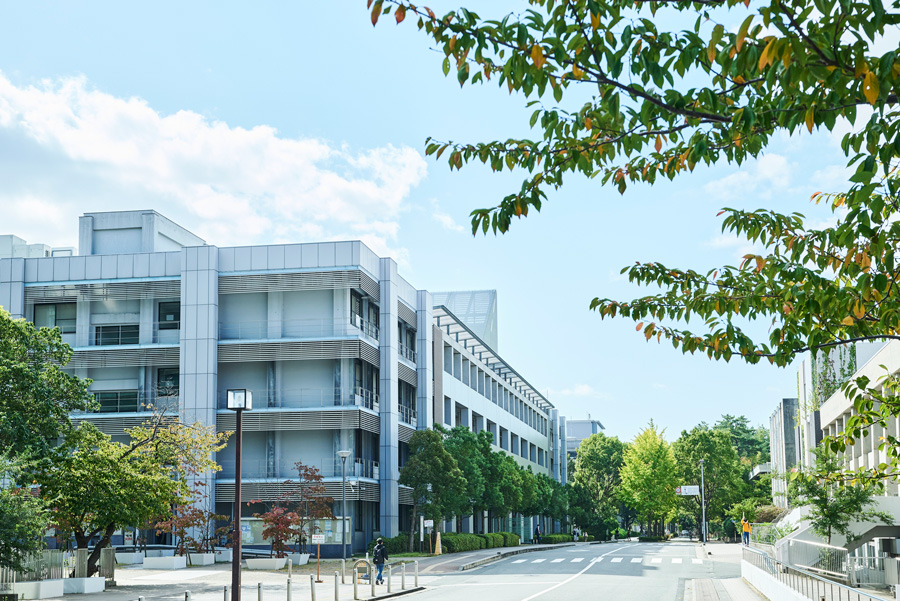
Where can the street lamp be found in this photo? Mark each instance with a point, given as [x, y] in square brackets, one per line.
[702, 504]
[238, 401]
[343, 455]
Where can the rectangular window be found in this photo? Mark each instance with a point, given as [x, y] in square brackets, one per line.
[112, 335]
[170, 316]
[60, 316]
[167, 381]
[118, 401]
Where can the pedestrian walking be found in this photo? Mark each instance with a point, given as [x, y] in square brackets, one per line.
[537, 535]
[745, 525]
[379, 556]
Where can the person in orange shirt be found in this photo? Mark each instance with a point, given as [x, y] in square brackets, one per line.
[746, 527]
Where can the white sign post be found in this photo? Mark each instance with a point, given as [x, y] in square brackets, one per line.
[688, 491]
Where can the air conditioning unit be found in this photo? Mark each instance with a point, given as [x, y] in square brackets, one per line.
[892, 570]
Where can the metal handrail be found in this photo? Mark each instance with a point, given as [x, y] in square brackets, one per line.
[810, 585]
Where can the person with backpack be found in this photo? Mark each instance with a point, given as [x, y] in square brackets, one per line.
[379, 556]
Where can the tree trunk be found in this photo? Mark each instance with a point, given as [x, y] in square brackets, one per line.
[412, 526]
[94, 557]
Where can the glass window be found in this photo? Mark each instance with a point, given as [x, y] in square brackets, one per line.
[167, 381]
[170, 315]
[117, 401]
[60, 316]
[112, 335]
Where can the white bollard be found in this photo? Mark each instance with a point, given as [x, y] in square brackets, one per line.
[371, 567]
[290, 567]
[402, 577]
[312, 587]
[259, 591]
[187, 595]
[355, 584]
[225, 593]
[389, 578]
[343, 571]
[417, 576]
[140, 599]
[337, 590]
[289, 589]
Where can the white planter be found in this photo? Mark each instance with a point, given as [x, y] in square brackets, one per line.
[299, 559]
[75, 586]
[174, 562]
[202, 559]
[266, 563]
[160, 552]
[224, 555]
[124, 559]
[41, 589]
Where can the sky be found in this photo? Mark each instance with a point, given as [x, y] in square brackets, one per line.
[299, 122]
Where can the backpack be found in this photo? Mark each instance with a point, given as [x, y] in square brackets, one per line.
[379, 554]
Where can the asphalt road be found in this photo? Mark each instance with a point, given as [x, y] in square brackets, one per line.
[637, 571]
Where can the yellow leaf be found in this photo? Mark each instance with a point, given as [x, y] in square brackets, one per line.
[639, 326]
[858, 310]
[588, 123]
[786, 57]
[595, 21]
[764, 58]
[760, 263]
[711, 53]
[537, 55]
[742, 33]
[452, 43]
[739, 79]
[810, 118]
[400, 14]
[870, 87]
[861, 68]
[658, 143]
[577, 72]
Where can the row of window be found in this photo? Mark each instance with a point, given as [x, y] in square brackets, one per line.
[63, 316]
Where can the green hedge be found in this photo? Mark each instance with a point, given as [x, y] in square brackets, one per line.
[586, 538]
[459, 543]
[652, 539]
[492, 540]
[555, 539]
[452, 542]
[510, 539]
[397, 544]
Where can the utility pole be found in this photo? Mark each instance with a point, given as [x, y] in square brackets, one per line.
[702, 504]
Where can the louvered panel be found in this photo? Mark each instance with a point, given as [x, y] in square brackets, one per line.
[125, 357]
[272, 490]
[369, 286]
[369, 353]
[404, 432]
[264, 421]
[404, 495]
[289, 350]
[369, 422]
[169, 288]
[115, 425]
[314, 280]
[406, 314]
[407, 374]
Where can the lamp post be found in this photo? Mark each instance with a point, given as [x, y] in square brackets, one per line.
[343, 455]
[238, 401]
[702, 504]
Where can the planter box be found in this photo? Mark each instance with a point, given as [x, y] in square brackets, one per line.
[75, 586]
[129, 558]
[173, 562]
[40, 589]
[299, 559]
[224, 555]
[160, 552]
[201, 559]
[266, 563]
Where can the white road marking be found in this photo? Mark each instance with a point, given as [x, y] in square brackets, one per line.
[676, 560]
[697, 560]
[558, 560]
[597, 560]
[571, 578]
[539, 560]
[636, 559]
[577, 559]
[520, 561]
[656, 560]
[616, 559]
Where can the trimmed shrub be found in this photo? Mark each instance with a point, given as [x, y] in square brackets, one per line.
[458, 543]
[492, 540]
[397, 544]
[652, 538]
[587, 538]
[555, 539]
[510, 539]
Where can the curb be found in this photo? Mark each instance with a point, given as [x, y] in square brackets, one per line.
[607, 542]
[499, 555]
[398, 593]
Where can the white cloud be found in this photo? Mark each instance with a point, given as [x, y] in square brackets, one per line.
[74, 149]
[579, 390]
[446, 221]
[760, 179]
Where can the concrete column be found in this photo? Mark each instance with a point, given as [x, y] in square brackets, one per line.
[275, 315]
[86, 235]
[389, 391]
[149, 232]
[148, 317]
[83, 323]
[425, 416]
[12, 287]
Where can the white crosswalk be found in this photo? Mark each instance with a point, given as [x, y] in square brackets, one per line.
[650, 560]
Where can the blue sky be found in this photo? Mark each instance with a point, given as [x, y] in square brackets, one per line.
[299, 121]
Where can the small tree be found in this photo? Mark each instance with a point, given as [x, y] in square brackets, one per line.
[307, 498]
[193, 524]
[280, 525]
[834, 503]
[23, 518]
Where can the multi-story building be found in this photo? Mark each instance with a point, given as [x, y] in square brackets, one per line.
[579, 429]
[783, 447]
[339, 351]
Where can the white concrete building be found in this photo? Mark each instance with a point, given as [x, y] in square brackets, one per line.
[579, 429]
[339, 350]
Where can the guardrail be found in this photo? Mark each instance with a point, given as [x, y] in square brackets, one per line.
[807, 584]
[819, 558]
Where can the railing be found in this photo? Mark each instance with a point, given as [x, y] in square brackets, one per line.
[819, 558]
[407, 353]
[45, 565]
[407, 415]
[295, 328]
[306, 398]
[805, 583]
[129, 334]
[285, 470]
[128, 401]
[867, 571]
[366, 327]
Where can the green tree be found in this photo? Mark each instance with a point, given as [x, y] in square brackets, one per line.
[36, 395]
[433, 475]
[464, 446]
[752, 443]
[597, 478]
[722, 471]
[649, 476]
[833, 506]
[97, 485]
[23, 517]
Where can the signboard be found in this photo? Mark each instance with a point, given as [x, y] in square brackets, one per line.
[128, 538]
[688, 491]
[429, 523]
[317, 539]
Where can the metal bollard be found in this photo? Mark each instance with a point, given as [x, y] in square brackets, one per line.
[312, 587]
[402, 577]
[187, 595]
[225, 593]
[371, 568]
[343, 571]
[355, 584]
[337, 590]
[389, 577]
[290, 567]
[140, 599]
[259, 591]
[289, 589]
[417, 576]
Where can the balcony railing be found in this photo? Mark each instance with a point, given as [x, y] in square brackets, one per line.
[366, 327]
[296, 329]
[284, 469]
[407, 353]
[131, 401]
[407, 415]
[164, 332]
[307, 398]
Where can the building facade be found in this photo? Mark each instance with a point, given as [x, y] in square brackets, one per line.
[579, 429]
[783, 447]
[338, 349]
